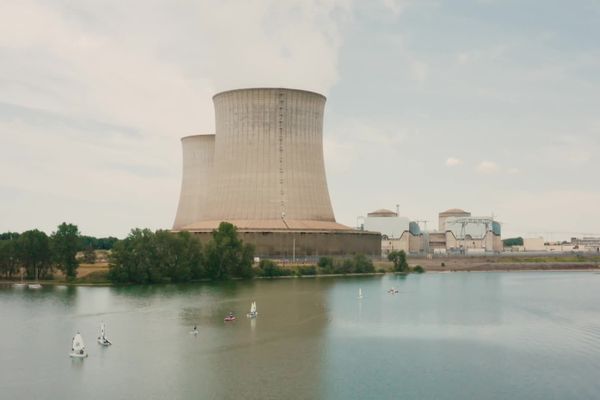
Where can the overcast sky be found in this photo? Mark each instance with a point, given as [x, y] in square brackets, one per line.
[492, 106]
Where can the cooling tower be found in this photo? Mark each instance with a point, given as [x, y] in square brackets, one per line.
[269, 157]
[198, 156]
[264, 172]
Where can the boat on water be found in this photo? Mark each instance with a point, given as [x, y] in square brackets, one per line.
[253, 313]
[102, 339]
[392, 291]
[194, 331]
[230, 317]
[20, 284]
[35, 285]
[78, 347]
[360, 295]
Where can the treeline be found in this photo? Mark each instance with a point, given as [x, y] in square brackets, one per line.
[358, 264]
[36, 254]
[161, 256]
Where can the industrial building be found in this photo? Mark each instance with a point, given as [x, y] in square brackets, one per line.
[397, 233]
[461, 233]
[263, 171]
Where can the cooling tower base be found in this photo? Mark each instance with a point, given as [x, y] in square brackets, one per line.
[306, 243]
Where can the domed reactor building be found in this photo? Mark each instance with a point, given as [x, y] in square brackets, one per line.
[264, 172]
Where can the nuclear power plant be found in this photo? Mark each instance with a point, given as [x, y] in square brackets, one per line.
[263, 171]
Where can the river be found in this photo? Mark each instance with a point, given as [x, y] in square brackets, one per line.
[526, 335]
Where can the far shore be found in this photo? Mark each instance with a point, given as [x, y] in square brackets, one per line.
[95, 274]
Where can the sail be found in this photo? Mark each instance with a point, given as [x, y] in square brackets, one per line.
[253, 308]
[102, 331]
[78, 343]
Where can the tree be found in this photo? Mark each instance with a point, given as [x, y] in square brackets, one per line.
[362, 264]
[9, 258]
[33, 249]
[89, 255]
[65, 243]
[227, 255]
[326, 265]
[399, 260]
[518, 241]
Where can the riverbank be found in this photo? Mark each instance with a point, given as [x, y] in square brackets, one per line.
[96, 274]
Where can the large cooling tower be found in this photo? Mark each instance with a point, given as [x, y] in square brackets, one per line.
[269, 164]
[264, 172]
[198, 156]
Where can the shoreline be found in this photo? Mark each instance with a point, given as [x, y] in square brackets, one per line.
[502, 268]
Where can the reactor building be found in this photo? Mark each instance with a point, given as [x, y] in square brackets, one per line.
[263, 171]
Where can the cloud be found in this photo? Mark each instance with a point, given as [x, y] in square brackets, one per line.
[487, 167]
[453, 162]
[93, 100]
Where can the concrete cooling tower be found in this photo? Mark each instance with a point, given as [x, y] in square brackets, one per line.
[264, 172]
[198, 157]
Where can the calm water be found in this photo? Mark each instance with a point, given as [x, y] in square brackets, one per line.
[443, 336]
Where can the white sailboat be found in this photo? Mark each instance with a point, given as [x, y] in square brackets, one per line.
[253, 313]
[102, 338]
[360, 295]
[78, 347]
[35, 285]
[21, 284]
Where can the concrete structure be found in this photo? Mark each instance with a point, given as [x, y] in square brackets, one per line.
[533, 244]
[198, 157]
[460, 233]
[268, 177]
[387, 222]
[586, 244]
[452, 212]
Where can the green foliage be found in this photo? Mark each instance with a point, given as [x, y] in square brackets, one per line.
[518, 241]
[89, 256]
[151, 257]
[226, 254]
[399, 260]
[106, 243]
[418, 269]
[9, 258]
[65, 243]
[325, 265]
[362, 264]
[307, 270]
[269, 269]
[33, 250]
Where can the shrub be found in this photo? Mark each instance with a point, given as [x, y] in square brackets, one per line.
[418, 269]
[308, 270]
[269, 269]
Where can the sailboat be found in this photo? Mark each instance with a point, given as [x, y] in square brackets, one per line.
[35, 285]
[78, 347]
[102, 338]
[360, 295]
[253, 313]
[21, 284]
[194, 331]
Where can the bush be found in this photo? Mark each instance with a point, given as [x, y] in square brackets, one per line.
[418, 269]
[399, 260]
[326, 265]
[269, 269]
[308, 270]
[381, 270]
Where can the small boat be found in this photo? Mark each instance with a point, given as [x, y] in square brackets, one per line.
[360, 295]
[253, 313]
[20, 284]
[230, 317]
[102, 338]
[392, 291]
[35, 285]
[78, 347]
[194, 331]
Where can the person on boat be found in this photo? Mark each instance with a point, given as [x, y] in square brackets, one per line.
[231, 315]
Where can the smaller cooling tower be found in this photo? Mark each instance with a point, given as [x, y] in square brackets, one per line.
[198, 158]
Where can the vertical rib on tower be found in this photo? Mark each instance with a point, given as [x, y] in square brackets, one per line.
[268, 162]
[198, 158]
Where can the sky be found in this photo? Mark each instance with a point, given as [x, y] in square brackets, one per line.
[492, 106]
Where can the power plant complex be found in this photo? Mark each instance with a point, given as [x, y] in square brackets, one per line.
[263, 171]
